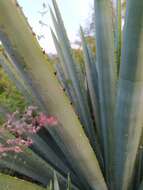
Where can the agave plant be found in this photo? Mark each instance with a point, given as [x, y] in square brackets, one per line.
[98, 139]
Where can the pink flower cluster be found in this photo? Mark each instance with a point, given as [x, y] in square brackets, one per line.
[44, 120]
[20, 125]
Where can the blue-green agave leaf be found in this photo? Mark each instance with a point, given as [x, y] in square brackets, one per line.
[129, 109]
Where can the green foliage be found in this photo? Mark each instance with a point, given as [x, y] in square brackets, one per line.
[78, 54]
[10, 98]
[9, 95]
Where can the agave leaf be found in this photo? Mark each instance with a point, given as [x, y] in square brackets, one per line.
[60, 22]
[24, 48]
[118, 33]
[129, 110]
[20, 70]
[90, 74]
[56, 183]
[47, 153]
[137, 176]
[21, 169]
[61, 56]
[106, 74]
[68, 86]
[19, 79]
[138, 168]
[60, 137]
[50, 185]
[69, 183]
[94, 70]
[61, 77]
[33, 167]
[13, 183]
[29, 164]
[68, 82]
[62, 143]
[19, 164]
[15, 79]
[63, 81]
[141, 186]
[80, 95]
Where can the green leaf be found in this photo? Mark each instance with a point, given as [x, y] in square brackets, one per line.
[56, 183]
[20, 80]
[129, 109]
[30, 164]
[81, 99]
[68, 86]
[50, 186]
[24, 45]
[118, 34]
[106, 69]
[141, 186]
[92, 81]
[69, 183]
[8, 68]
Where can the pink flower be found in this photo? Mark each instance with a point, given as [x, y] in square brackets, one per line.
[2, 130]
[29, 113]
[31, 109]
[45, 120]
[10, 141]
[2, 149]
[32, 130]
[17, 149]
[22, 124]
[52, 120]
[42, 119]
[29, 142]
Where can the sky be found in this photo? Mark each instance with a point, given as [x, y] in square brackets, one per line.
[74, 13]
